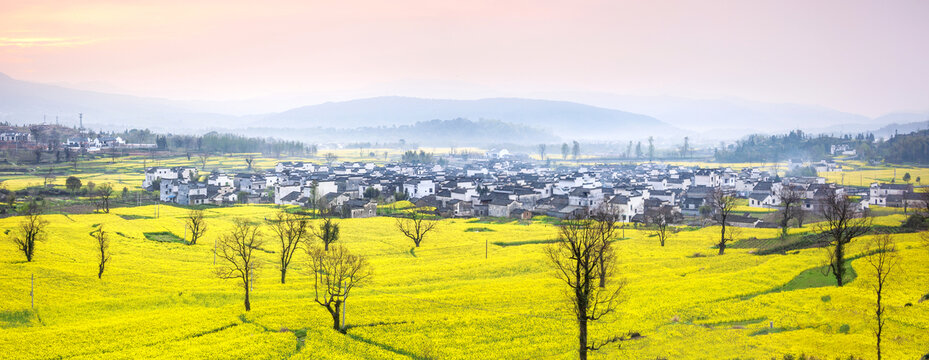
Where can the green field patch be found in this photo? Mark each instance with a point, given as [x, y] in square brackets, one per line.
[812, 278]
[745, 322]
[15, 318]
[164, 236]
[492, 220]
[525, 242]
[134, 217]
[479, 229]
[780, 246]
[767, 331]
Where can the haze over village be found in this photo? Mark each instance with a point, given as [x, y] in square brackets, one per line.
[439, 180]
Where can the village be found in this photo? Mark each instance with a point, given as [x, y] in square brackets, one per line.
[510, 187]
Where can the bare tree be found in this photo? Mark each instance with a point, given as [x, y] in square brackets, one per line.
[203, 159]
[883, 260]
[800, 215]
[576, 258]
[237, 249]
[105, 192]
[842, 222]
[330, 157]
[415, 227]
[605, 219]
[48, 177]
[196, 223]
[313, 200]
[576, 151]
[790, 199]
[541, 149]
[336, 272]
[103, 244]
[248, 160]
[30, 230]
[722, 203]
[660, 222]
[327, 231]
[291, 230]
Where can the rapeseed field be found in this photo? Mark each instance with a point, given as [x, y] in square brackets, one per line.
[463, 294]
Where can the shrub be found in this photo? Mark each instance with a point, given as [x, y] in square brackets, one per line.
[914, 222]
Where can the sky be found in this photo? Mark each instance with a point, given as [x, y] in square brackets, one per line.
[866, 57]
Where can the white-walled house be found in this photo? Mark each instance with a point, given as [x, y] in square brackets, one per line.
[419, 188]
[158, 173]
[219, 179]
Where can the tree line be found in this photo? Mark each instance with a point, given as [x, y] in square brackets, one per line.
[907, 148]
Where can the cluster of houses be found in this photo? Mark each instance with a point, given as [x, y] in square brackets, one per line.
[26, 140]
[16, 140]
[501, 187]
[103, 143]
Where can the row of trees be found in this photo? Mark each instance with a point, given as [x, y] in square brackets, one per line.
[907, 148]
[33, 229]
[574, 150]
[775, 148]
[219, 142]
[336, 271]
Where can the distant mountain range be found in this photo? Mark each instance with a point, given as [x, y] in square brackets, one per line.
[567, 119]
[661, 116]
[727, 115]
[455, 132]
[24, 102]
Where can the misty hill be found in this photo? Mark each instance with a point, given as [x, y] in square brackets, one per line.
[729, 117]
[429, 133]
[566, 119]
[24, 102]
[901, 123]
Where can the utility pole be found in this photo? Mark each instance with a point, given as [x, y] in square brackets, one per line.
[486, 246]
[344, 310]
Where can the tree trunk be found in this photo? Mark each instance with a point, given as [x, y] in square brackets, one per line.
[838, 266]
[722, 239]
[582, 337]
[248, 305]
[336, 323]
[880, 324]
[283, 274]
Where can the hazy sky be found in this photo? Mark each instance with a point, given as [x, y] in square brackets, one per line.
[870, 57]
